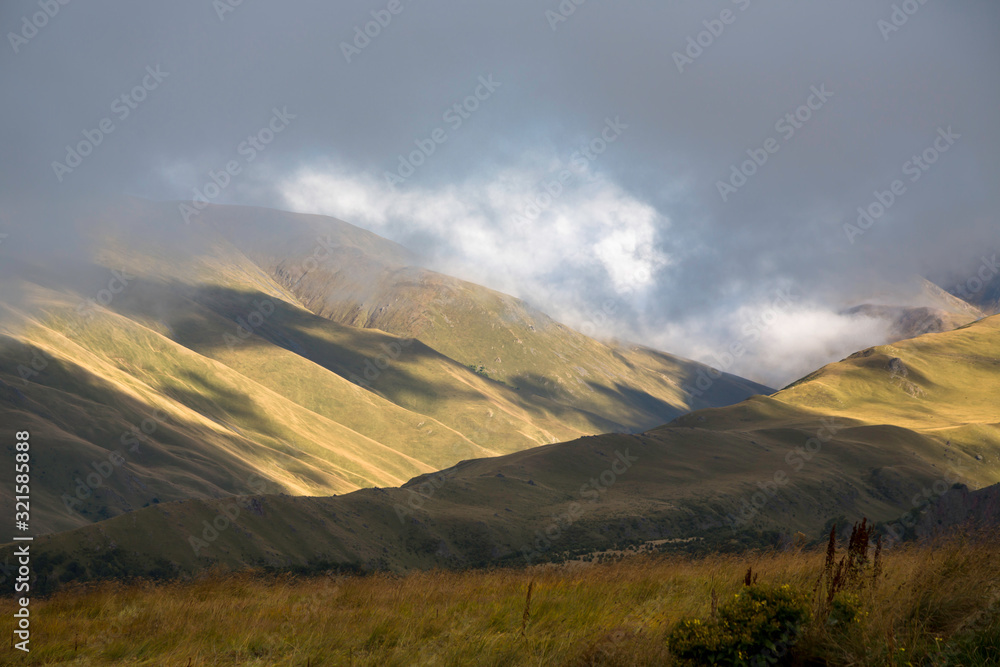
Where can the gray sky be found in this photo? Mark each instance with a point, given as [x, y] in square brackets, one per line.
[638, 240]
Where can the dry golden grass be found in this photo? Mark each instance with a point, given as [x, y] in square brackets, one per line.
[928, 601]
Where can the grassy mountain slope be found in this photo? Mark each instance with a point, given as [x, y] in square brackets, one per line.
[256, 391]
[876, 434]
[358, 279]
[938, 384]
[252, 408]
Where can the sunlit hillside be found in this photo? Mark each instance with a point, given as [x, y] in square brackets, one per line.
[880, 434]
[176, 367]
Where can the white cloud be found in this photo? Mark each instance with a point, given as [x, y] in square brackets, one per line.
[506, 231]
[774, 342]
[590, 256]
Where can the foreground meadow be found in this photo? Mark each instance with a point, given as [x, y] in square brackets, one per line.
[914, 605]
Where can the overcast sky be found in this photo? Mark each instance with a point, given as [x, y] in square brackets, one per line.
[650, 234]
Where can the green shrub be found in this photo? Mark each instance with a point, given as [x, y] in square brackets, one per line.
[756, 627]
[845, 611]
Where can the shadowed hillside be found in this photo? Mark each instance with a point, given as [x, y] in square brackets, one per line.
[174, 365]
[876, 435]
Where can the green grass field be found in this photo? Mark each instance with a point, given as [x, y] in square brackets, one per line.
[929, 606]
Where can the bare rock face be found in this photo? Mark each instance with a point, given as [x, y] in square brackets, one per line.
[961, 507]
[910, 322]
[899, 372]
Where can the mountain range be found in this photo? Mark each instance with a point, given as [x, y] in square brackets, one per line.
[254, 346]
[266, 388]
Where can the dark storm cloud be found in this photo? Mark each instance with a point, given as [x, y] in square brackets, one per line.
[892, 74]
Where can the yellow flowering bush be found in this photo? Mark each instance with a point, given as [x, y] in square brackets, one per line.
[757, 626]
[845, 610]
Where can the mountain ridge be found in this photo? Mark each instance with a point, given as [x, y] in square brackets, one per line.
[180, 322]
[750, 474]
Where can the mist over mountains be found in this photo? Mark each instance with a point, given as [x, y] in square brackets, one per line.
[518, 333]
[255, 349]
[637, 242]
